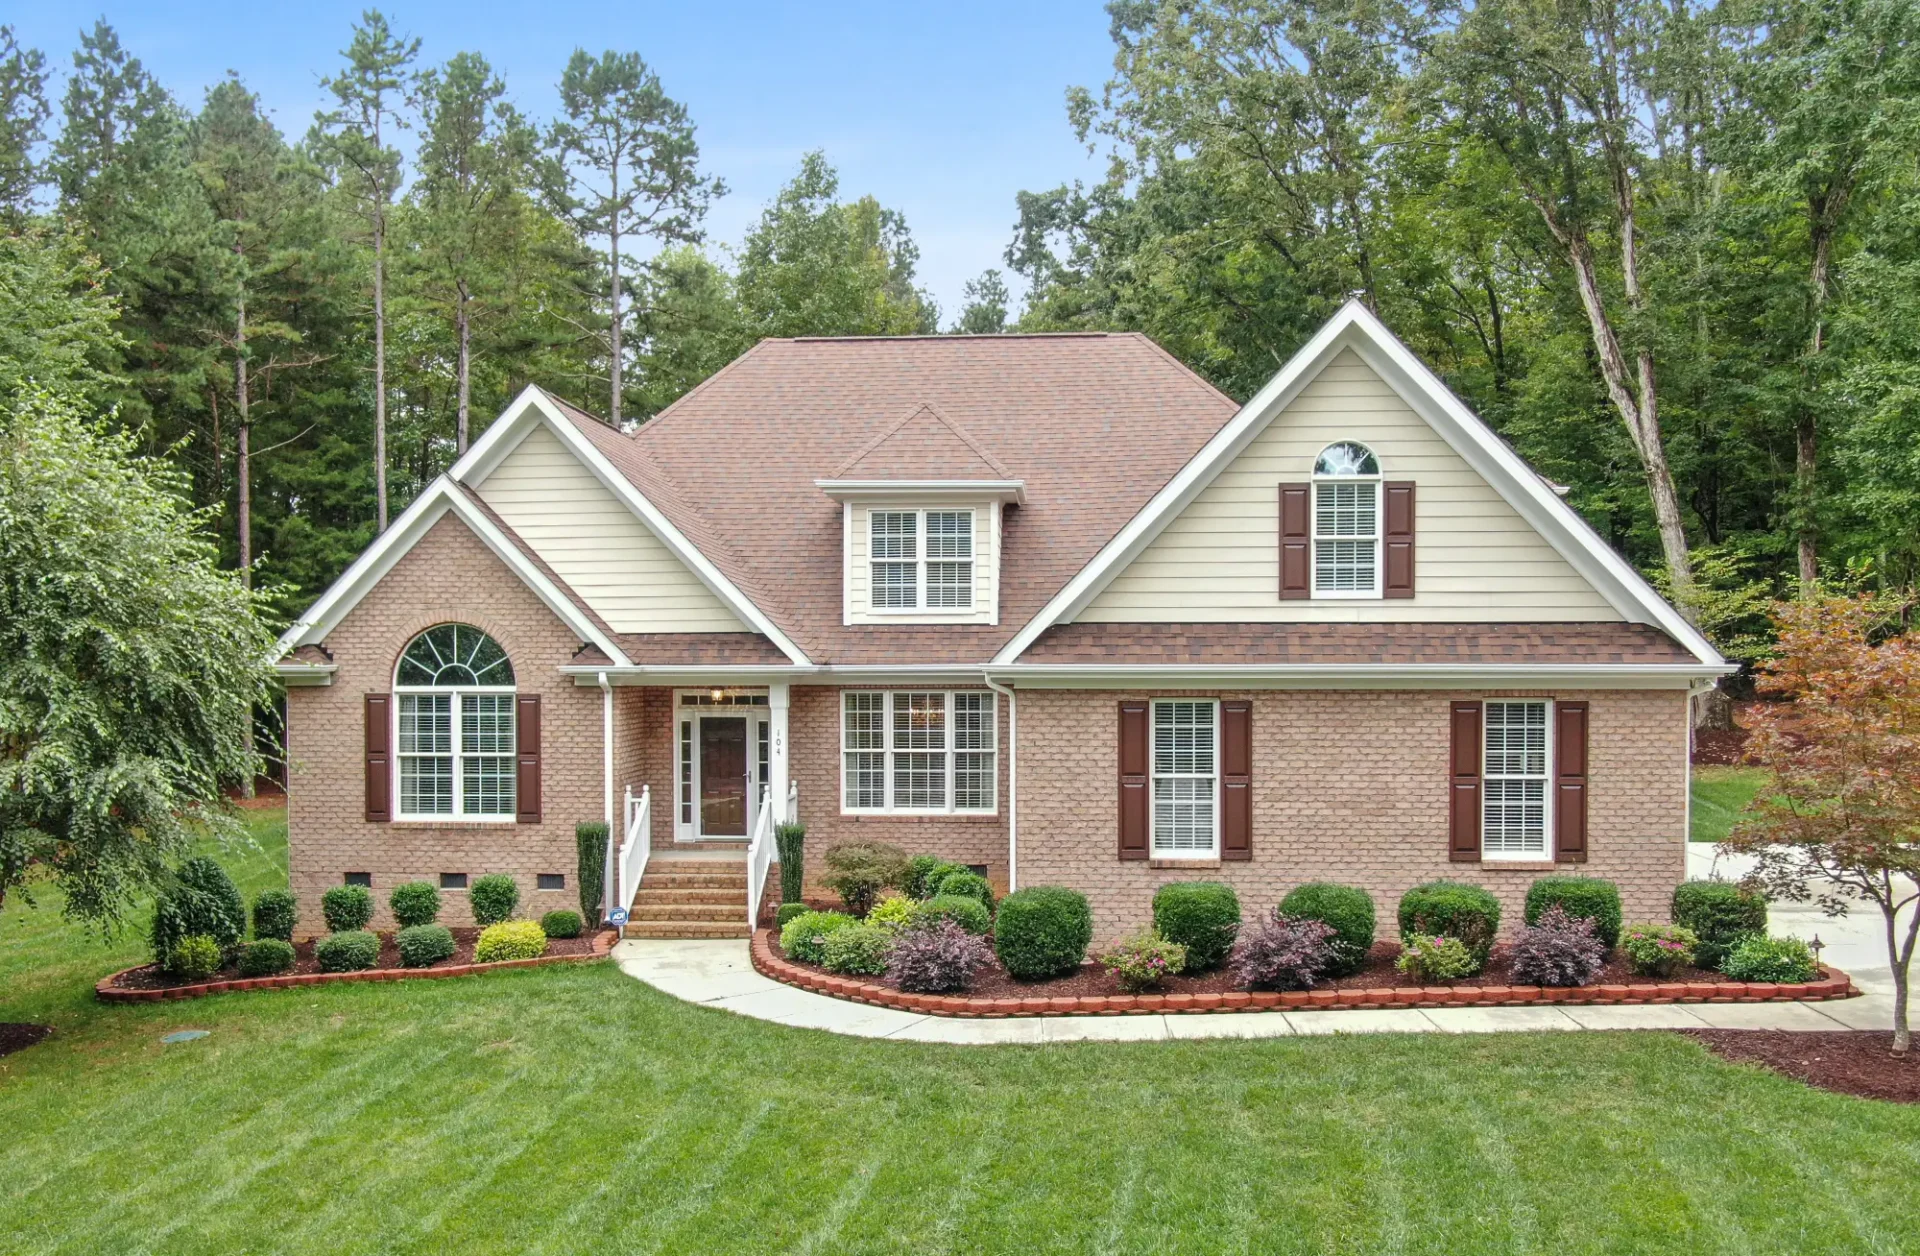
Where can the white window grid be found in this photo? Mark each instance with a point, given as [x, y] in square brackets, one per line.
[1346, 525]
[918, 751]
[454, 752]
[1186, 778]
[1515, 779]
[909, 573]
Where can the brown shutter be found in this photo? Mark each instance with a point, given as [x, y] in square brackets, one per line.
[1236, 773]
[1398, 538]
[1463, 807]
[1296, 558]
[378, 711]
[526, 768]
[1133, 780]
[1570, 782]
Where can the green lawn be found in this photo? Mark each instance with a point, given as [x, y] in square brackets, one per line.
[571, 1109]
[1719, 795]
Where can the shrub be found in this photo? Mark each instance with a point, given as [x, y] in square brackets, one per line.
[860, 949]
[937, 957]
[199, 901]
[1561, 950]
[347, 908]
[858, 871]
[790, 840]
[266, 958]
[1144, 959]
[590, 868]
[1583, 898]
[421, 945]
[562, 923]
[494, 898]
[931, 874]
[965, 912]
[1042, 931]
[1658, 950]
[1202, 916]
[275, 913]
[1466, 913]
[510, 939]
[893, 913]
[194, 957]
[965, 884]
[1720, 913]
[1758, 957]
[1428, 959]
[1347, 910]
[803, 936]
[788, 911]
[414, 903]
[349, 951]
[1285, 952]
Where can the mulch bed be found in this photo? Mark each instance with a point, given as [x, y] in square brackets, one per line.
[149, 977]
[17, 1036]
[1848, 1062]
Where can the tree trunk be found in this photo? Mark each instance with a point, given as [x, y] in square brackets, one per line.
[463, 330]
[380, 369]
[1902, 957]
[243, 468]
[613, 235]
[1805, 431]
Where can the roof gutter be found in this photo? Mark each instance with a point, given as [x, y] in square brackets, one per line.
[1177, 675]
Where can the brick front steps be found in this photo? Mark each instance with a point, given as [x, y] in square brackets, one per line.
[1836, 985]
[106, 992]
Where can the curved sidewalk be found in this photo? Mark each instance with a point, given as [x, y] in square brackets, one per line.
[719, 974]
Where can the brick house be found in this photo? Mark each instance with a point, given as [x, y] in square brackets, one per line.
[1048, 605]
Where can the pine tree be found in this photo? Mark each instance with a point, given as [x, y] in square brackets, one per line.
[23, 124]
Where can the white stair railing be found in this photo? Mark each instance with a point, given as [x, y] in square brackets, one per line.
[631, 863]
[759, 858]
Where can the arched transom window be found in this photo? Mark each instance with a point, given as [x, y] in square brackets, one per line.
[1346, 522]
[454, 701]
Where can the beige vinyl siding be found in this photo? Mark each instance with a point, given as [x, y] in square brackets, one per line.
[986, 557]
[597, 545]
[1475, 558]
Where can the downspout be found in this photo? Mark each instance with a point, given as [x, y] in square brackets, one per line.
[1013, 780]
[606, 747]
[1694, 690]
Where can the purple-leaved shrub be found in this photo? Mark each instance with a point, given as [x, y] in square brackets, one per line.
[1560, 950]
[1283, 953]
[937, 957]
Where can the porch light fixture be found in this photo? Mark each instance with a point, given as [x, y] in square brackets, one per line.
[717, 695]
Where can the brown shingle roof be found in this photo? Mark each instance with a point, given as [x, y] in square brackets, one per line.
[689, 649]
[1355, 643]
[924, 445]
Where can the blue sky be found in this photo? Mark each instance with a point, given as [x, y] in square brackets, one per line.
[942, 111]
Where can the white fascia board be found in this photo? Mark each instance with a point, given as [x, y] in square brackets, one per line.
[1014, 491]
[1357, 676]
[299, 675]
[532, 406]
[415, 522]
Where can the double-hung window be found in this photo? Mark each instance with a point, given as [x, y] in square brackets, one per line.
[917, 751]
[1186, 778]
[454, 703]
[920, 559]
[1513, 818]
[1346, 522]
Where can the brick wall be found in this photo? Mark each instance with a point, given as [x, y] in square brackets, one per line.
[449, 576]
[1348, 787]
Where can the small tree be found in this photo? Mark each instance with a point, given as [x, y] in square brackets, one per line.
[1842, 744]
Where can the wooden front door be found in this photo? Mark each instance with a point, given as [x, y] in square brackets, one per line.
[723, 776]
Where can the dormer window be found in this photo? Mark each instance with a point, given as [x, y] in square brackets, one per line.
[1346, 522]
[921, 559]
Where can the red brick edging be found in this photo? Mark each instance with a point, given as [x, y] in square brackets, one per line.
[107, 992]
[1835, 985]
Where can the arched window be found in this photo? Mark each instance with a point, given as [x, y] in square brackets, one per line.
[1346, 522]
[454, 696]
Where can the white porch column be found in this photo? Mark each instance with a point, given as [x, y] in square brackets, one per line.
[779, 699]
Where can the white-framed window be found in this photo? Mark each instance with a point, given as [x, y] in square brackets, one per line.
[1517, 756]
[454, 714]
[913, 750]
[1346, 522]
[920, 559]
[1186, 778]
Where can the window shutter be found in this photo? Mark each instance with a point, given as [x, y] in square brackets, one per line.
[1296, 557]
[1570, 782]
[1236, 774]
[1397, 537]
[1133, 780]
[526, 768]
[379, 731]
[1463, 808]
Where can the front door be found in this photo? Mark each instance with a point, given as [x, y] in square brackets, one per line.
[723, 776]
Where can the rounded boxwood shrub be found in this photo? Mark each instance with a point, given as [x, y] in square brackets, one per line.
[275, 913]
[510, 939]
[1042, 931]
[562, 924]
[1203, 916]
[803, 936]
[1720, 913]
[858, 950]
[1347, 910]
[1758, 957]
[199, 901]
[421, 945]
[965, 912]
[965, 884]
[414, 903]
[926, 872]
[347, 908]
[1452, 909]
[494, 898]
[789, 911]
[351, 951]
[194, 957]
[1582, 898]
[267, 957]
